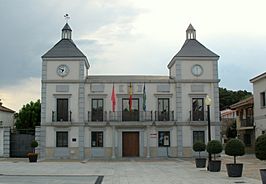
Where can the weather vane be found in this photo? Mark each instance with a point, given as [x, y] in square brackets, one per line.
[66, 17]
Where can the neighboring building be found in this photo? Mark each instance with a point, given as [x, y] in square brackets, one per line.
[245, 122]
[100, 116]
[259, 92]
[6, 122]
[6, 116]
[228, 117]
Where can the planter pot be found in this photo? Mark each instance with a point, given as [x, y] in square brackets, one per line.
[263, 175]
[33, 158]
[215, 166]
[234, 170]
[200, 162]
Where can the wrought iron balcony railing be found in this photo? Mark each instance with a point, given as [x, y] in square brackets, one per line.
[248, 122]
[61, 118]
[198, 116]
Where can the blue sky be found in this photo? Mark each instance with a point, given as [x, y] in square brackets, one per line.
[132, 36]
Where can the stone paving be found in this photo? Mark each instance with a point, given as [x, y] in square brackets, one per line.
[125, 171]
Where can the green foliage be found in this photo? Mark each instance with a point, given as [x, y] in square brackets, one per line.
[234, 147]
[229, 97]
[199, 146]
[34, 144]
[214, 147]
[260, 147]
[231, 131]
[29, 116]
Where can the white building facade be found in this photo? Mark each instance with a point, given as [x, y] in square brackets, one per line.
[85, 116]
[6, 123]
[259, 95]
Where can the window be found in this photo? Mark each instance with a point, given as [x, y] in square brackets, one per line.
[126, 114]
[96, 139]
[198, 136]
[97, 110]
[163, 109]
[197, 109]
[164, 138]
[62, 109]
[247, 139]
[262, 99]
[61, 139]
[262, 132]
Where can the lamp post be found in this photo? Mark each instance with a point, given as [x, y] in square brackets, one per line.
[208, 103]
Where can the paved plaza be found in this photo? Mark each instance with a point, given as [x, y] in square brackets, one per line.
[126, 171]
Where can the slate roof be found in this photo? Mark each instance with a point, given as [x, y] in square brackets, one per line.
[63, 49]
[193, 48]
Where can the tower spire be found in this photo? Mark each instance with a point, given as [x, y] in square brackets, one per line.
[191, 32]
[66, 31]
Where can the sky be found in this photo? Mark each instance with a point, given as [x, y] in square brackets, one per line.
[128, 37]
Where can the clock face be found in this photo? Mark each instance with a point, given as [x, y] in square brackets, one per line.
[197, 70]
[62, 70]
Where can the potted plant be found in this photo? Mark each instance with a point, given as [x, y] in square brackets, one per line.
[214, 147]
[234, 147]
[260, 152]
[199, 147]
[33, 156]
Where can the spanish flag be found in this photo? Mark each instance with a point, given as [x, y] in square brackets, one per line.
[130, 97]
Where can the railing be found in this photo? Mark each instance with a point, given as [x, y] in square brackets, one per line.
[119, 116]
[55, 118]
[164, 115]
[248, 122]
[97, 116]
[198, 116]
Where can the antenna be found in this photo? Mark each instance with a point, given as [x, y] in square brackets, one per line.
[66, 17]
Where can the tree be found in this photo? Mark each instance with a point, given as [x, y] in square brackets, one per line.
[29, 116]
[231, 131]
[229, 97]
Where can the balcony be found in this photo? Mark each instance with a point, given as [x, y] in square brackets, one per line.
[99, 116]
[119, 116]
[164, 115]
[56, 117]
[248, 122]
[198, 116]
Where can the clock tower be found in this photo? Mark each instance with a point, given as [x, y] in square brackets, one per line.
[64, 71]
[195, 71]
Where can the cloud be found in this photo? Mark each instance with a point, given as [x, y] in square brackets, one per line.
[31, 28]
[23, 92]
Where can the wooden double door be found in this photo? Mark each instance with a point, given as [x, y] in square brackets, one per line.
[130, 144]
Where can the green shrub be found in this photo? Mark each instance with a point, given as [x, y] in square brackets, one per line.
[235, 147]
[199, 146]
[260, 147]
[214, 147]
[34, 144]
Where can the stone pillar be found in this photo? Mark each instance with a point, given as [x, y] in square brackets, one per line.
[113, 143]
[148, 142]
[81, 142]
[38, 138]
[6, 145]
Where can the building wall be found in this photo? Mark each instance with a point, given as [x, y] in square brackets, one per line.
[259, 111]
[80, 88]
[1, 142]
[6, 119]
